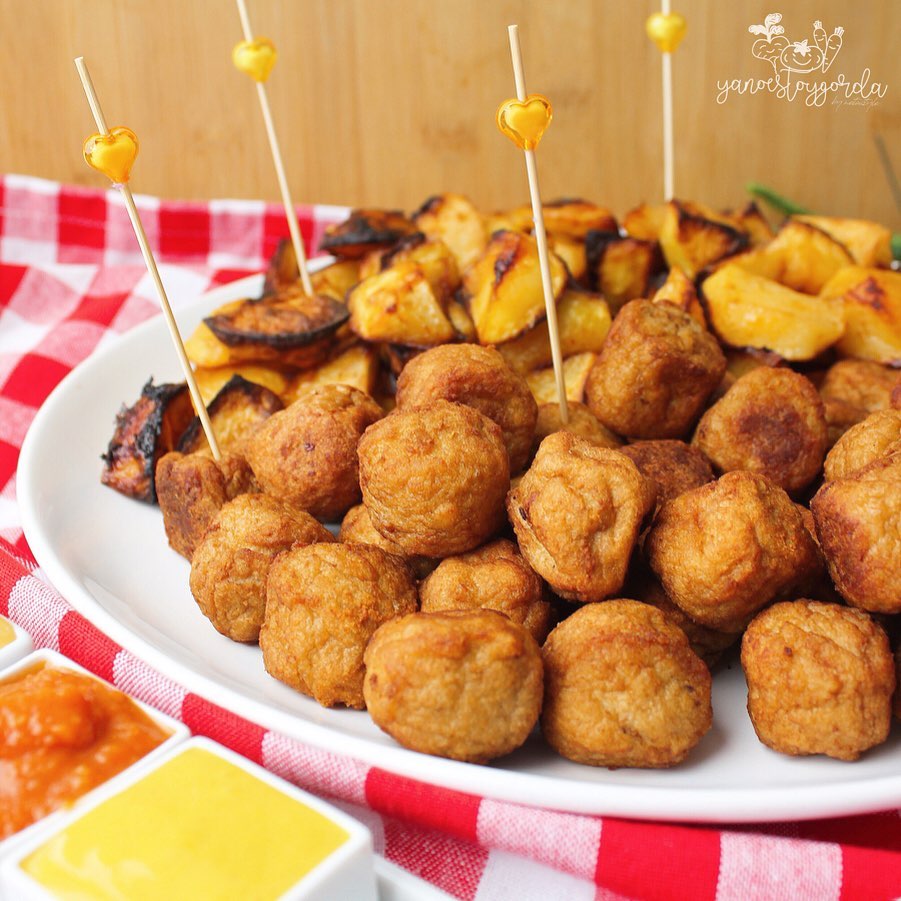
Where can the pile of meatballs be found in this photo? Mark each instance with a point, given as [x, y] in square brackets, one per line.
[496, 570]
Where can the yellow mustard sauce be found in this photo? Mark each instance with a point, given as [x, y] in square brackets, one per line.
[196, 827]
[7, 634]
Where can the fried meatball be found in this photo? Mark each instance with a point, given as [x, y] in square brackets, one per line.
[851, 390]
[728, 548]
[820, 679]
[323, 604]
[494, 577]
[434, 478]
[623, 688]
[874, 437]
[357, 528]
[229, 567]
[192, 489]
[858, 522]
[771, 421]
[478, 377]
[577, 513]
[307, 453]
[582, 422]
[460, 684]
[818, 586]
[656, 369]
[674, 466]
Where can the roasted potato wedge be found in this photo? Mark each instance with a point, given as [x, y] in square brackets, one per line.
[746, 310]
[543, 385]
[282, 271]
[872, 307]
[145, 432]
[453, 219]
[504, 287]
[805, 256]
[364, 231]
[583, 320]
[679, 290]
[692, 239]
[283, 274]
[754, 224]
[869, 243]
[571, 217]
[461, 321]
[620, 268]
[235, 412]
[400, 306]
[572, 252]
[518, 220]
[432, 256]
[645, 221]
[336, 280]
[210, 381]
[358, 366]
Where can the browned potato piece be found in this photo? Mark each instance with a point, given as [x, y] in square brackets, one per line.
[460, 684]
[620, 268]
[358, 366]
[191, 491]
[654, 372]
[741, 362]
[728, 548]
[357, 528]
[874, 437]
[453, 219]
[806, 256]
[230, 565]
[869, 243]
[307, 453]
[432, 256]
[852, 389]
[480, 378]
[692, 241]
[752, 222]
[572, 252]
[572, 217]
[494, 577]
[623, 688]
[577, 513]
[857, 523]
[324, 602]
[748, 310]
[399, 305]
[364, 231]
[236, 412]
[434, 478]
[674, 466]
[679, 290]
[283, 274]
[211, 381]
[820, 679]
[771, 421]
[582, 422]
[504, 287]
[645, 221]
[145, 432]
[461, 321]
[543, 382]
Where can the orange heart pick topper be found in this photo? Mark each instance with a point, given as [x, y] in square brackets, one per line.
[113, 153]
[666, 30]
[255, 58]
[525, 121]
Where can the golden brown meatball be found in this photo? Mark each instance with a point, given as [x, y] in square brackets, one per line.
[192, 489]
[323, 604]
[818, 586]
[478, 377]
[770, 421]
[434, 478]
[728, 548]
[582, 422]
[357, 528]
[655, 370]
[307, 453]
[494, 577]
[577, 513]
[461, 684]
[820, 679]
[623, 688]
[674, 466]
[874, 437]
[229, 567]
[857, 520]
[851, 390]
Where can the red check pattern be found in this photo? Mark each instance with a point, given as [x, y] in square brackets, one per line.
[71, 279]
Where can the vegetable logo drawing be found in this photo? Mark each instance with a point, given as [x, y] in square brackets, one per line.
[810, 56]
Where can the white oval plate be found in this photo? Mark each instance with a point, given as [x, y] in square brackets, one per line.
[109, 557]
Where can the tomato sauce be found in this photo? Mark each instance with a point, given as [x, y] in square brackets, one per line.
[61, 734]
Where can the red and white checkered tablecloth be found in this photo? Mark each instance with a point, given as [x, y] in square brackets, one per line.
[71, 280]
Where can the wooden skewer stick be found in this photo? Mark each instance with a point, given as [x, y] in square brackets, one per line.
[290, 212]
[540, 234]
[668, 153]
[147, 253]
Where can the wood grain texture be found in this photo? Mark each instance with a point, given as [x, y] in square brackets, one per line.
[384, 102]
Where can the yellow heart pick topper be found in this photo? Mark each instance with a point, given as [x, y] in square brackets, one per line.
[112, 153]
[525, 121]
[255, 58]
[666, 30]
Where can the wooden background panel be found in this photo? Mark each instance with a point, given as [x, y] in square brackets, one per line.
[383, 102]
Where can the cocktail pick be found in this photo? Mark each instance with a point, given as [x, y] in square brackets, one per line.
[112, 151]
[667, 29]
[256, 57]
[524, 120]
